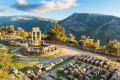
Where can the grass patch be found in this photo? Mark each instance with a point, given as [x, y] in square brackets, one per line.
[16, 77]
[59, 75]
[21, 51]
[39, 46]
[60, 64]
[6, 44]
[78, 63]
[110, 76]
[24, 65]
[98, 78]
[9, 51]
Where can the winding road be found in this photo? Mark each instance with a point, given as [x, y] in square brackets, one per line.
[66, 51]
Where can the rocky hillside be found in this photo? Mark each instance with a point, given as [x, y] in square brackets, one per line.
[97, 26]
[27, 22]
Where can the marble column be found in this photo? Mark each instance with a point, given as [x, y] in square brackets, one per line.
[40, 35]
[32, 36]
[36, 35]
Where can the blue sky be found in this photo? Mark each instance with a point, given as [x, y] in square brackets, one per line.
[58, 9]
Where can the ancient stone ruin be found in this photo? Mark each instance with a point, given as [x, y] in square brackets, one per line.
[82, 67]
[37, 46]
[37, 40]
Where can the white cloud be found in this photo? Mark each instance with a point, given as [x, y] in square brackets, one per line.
[22, 2]
[44, 5]
[4, 10]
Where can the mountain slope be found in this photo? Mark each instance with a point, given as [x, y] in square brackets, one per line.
[27, 22]
[97, 26]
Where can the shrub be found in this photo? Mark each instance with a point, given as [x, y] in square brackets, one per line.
[5, 61]
[72, 41]
[113, 47]
[90, 44]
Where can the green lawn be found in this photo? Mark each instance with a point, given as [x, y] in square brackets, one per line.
[39, 46]
[78, 63]
[9, 51]
[24, 65]
[16, 77]
[21, 51]
[6, 44]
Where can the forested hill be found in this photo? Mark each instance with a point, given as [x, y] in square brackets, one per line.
[98, 26]
[27, 22]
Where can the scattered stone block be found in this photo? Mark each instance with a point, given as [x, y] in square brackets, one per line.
[81, 76]
[70, 77]
[11, 76]
[71, 72]
[66, 72]
[15, 71]
[103, 77]
[87, 78]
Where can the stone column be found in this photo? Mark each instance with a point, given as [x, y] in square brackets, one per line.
[40, 35]
[32, 36]
[36, 35]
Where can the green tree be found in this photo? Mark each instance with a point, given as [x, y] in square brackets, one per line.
[97, 44]
[5, 61]
[19, 30]
[113, 47]
[43, 36]
[71, 39]
[3, 30]
[108, 39]
[29, 34]
[24, 34]
[10, 29]
[56, 33]
[84, 40]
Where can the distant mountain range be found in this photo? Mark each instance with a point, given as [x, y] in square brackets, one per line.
[27, 22]
[97, 26]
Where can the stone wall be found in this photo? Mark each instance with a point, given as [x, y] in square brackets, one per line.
[13, 43]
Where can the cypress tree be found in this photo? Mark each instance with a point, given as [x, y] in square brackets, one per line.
[108, 39]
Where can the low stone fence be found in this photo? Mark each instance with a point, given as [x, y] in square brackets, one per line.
[101, 51]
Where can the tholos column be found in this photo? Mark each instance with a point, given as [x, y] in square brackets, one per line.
[40, 35]
[35, 35]
[32, 36]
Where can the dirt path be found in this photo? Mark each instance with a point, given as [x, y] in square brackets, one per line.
[69, 51]
[73, 51]
[66, 51]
